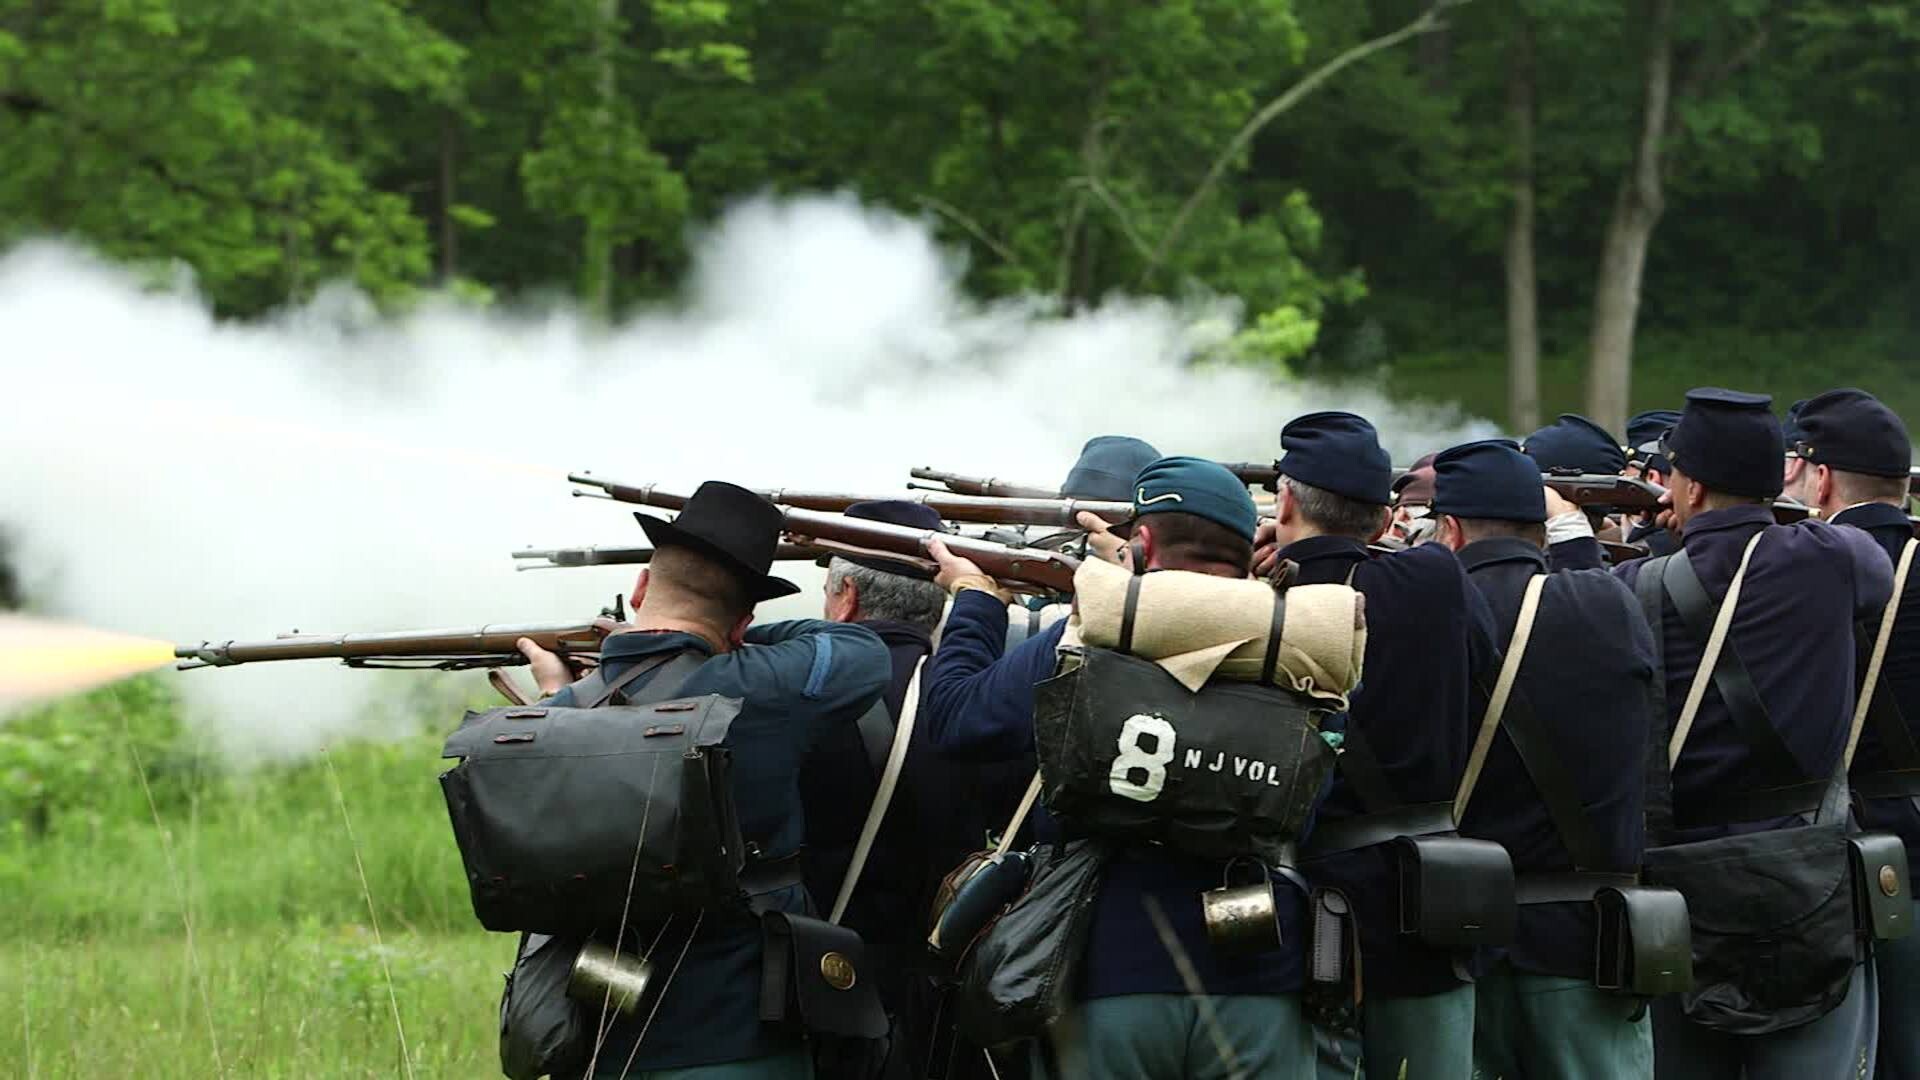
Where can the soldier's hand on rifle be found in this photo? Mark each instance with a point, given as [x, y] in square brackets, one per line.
[1100, 538]
[550, 670]
[957, 574]
[1266, 548]
[1558, 504]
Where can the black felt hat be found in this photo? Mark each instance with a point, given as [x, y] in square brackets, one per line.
[913, 515]
[732, 526]
[1644, 433]
[1575, 444]
[1729, 441]
[1490, 479]
[1338, 452]
[1851, 430]
[1107, 466]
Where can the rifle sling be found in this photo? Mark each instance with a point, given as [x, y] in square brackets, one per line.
[1790, 792]
[1697, 612]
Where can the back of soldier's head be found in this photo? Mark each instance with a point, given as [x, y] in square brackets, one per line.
[1336, 473]
[698, 585]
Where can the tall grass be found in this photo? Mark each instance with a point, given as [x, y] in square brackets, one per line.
[285, 978]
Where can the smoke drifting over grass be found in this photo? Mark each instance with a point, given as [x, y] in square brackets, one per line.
[328, 470]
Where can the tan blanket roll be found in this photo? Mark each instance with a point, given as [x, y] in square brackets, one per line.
[1196, 626]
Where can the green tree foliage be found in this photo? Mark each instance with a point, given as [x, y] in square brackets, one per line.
[239, 138]
[506, 148]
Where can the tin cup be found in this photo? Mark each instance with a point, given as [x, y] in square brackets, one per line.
[602, 975]
[1242, 918]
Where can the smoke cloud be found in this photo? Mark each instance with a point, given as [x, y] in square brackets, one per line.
[331, 470]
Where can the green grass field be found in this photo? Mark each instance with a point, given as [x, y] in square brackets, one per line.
[284, 977]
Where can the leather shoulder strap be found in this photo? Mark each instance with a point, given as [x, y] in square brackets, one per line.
[662, 680]
[1019, 816]
[1129, 613]
[1502, 689]
[1276, 630]
[1659, 778]
[883, 796]
[1716, 641]
[1871, 683]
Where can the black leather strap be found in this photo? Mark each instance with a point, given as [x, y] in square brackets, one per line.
[1697, 611]
[1757, 805]
[1274, 632]
[672, 670]
[770, 875]
[1351, 834]
[1554, 781]
[1361, 768]
[876, 736]
[1659, 778]
[1128, 613]
[1891, 784]
[1566, 888]
[1550, 776]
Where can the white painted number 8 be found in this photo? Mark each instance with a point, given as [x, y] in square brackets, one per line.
[1134, 759]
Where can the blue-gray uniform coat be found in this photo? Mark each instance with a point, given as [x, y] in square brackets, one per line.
[798, 681]
[1891, 529]
[1415, 709]
[1587, 679]
[1805, 588]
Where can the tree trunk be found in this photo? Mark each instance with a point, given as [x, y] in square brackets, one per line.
[596, 275]
[449, 228]
[1523, 295]
[1623, 255]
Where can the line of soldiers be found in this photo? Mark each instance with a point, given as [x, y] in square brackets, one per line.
[1609, 749]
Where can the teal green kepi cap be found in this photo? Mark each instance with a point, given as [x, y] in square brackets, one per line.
[1191, 485]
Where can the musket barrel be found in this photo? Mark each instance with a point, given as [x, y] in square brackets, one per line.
[973, 509]
[638, 556]
[493, 640]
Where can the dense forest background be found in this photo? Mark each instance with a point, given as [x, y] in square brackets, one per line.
[1521, 205]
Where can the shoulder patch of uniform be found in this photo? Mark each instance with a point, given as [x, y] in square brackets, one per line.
[822, 663]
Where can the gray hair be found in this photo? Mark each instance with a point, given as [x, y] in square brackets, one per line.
[1335, 514]
[890, 596]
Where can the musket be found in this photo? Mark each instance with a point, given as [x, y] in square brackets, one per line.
[552, 558]
[1640, 496]
[444, 650]
[1254, 474]
[991, 486]
[977, 509]
[1038, 568]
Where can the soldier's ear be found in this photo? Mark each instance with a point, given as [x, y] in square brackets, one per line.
[738, 635]
[1386, 520]
[639, 591]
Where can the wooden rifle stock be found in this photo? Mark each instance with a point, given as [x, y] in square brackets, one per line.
[446, 650]
[1048, 570]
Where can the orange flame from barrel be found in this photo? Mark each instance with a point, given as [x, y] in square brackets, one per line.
[44, 658]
